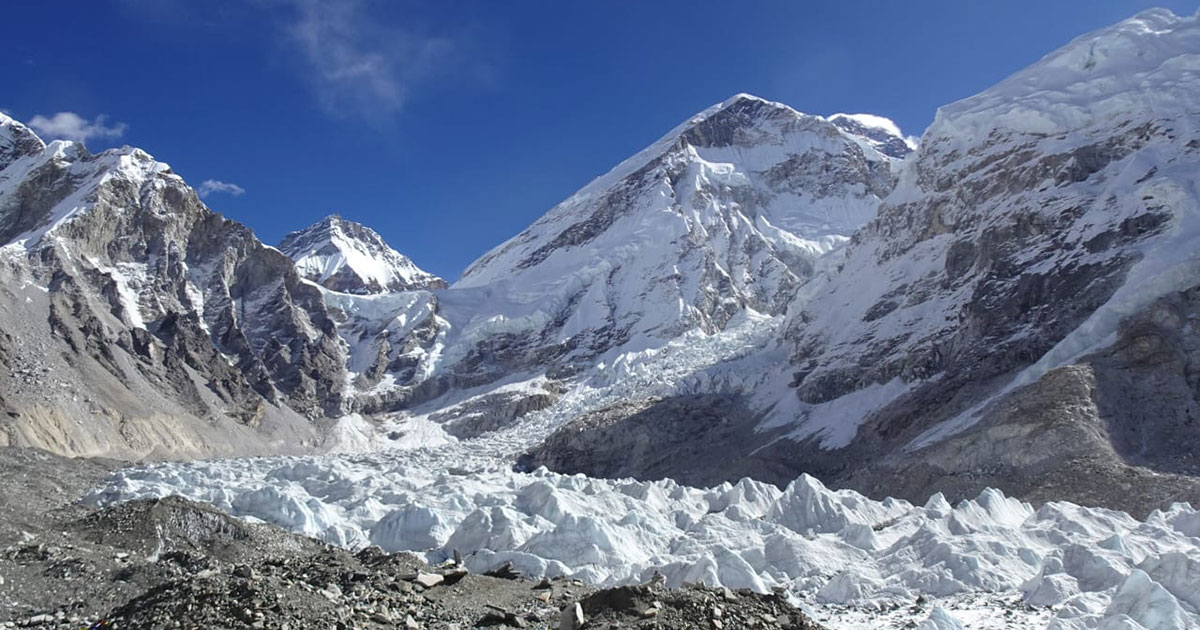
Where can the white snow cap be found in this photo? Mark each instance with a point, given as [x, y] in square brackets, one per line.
[13, 135]
[348, 256]
[873, 121]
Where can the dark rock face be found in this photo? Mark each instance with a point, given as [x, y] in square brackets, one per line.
[887, 143]
[1010, 246]
[699, 440]
[1010, 258]
[1054, 439]
[1148, 386]
[16, 142]
[147, 284]
[49, 185]
[491, 412]
[270, 326]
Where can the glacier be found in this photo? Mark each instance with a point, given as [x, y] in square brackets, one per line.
[852, 562]
[839, 554]
[762, 271]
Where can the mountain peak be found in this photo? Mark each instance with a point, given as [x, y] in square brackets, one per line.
[723, 216]
[739, 110]
[878, 132]
[744, 117]
[349, 257]
[744, 96]
[743, 99]
[16, 141]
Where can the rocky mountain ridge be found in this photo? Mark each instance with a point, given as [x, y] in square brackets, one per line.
[169, 328]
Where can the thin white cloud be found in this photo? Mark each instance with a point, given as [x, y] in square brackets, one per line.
[72, 126]
[210, 186]
[357, 65]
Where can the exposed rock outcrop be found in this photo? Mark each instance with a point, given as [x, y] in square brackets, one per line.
[154, 323]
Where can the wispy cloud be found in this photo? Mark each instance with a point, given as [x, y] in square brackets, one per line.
[362, 60]
[359, 66]
[210, 186]
[72, 126]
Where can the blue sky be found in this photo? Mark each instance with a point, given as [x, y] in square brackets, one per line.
[450, 125]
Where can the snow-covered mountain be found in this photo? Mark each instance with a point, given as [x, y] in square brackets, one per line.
[137, 322]
[351, 258]
[760, 292]
[720, 220]
[1019, 314]
[1011, 301]
[880, 133]
[723, 216]
[1023, 306]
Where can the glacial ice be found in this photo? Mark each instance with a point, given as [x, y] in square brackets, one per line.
[831, 549]
[854, 561]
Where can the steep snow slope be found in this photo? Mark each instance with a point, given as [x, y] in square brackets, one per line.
[721, 219]
[394, 339]
[351, 258]
[1142, 67]
[723, 214]
[877, 132]
[1032, 274]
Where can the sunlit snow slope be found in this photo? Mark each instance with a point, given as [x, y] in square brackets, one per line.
[351, 258]
[1023, 307]
[723, 214]
[721, 220]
